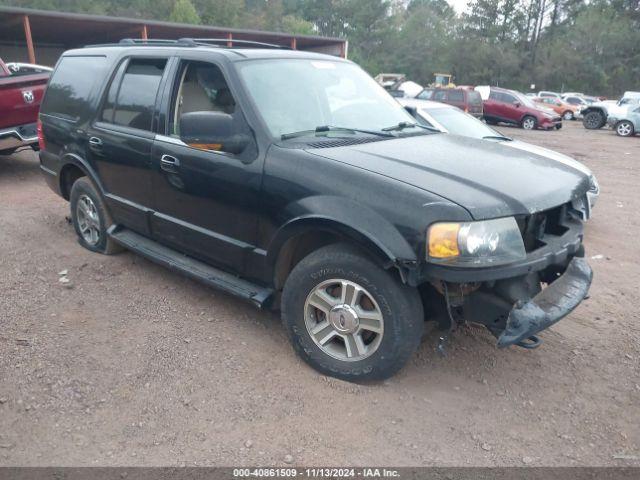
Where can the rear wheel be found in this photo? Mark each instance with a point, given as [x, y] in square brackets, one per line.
[349, 318]
[8, 151]
[529, 122]
[91, 218]
[594, 120]
[568, 115]
[624, 128]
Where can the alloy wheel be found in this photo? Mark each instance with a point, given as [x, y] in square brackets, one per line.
[528, 124]
[88, 220]
[624, 129]
[344, 320]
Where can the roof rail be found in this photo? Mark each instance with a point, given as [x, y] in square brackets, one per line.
[225, 41]
[191, 42]
[183, 42]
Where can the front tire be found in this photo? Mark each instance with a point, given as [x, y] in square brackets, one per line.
[349, 318]
[568, 115]
[91, 218]
[624, 128]
[529, 122]
[594, 120]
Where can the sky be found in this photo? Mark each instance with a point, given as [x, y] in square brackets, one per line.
[459, 5]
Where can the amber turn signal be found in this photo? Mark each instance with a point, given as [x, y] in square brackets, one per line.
[443, 240]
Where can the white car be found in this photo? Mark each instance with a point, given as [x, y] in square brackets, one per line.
[450, 119]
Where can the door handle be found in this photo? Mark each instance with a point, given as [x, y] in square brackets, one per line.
[169, 163]
[95, 142]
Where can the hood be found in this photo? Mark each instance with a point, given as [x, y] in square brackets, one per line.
[545, 152]
[488, 179]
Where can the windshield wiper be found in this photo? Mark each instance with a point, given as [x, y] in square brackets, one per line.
[330, 128]
[402, 125]
[497, 137]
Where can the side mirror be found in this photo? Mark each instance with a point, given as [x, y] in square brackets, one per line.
[212, 131]
[516, 104]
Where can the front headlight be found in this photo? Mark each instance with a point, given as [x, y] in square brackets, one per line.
[475, 244]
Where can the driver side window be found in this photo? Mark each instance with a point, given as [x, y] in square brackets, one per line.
[204, 113]
[202, 88]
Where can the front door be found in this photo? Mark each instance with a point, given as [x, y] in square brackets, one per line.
[205, 200]
[121, 139]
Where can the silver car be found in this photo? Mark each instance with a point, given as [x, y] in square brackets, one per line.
[450, 119]
[626, 123]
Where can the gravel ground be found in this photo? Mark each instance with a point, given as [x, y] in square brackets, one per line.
[135, 365]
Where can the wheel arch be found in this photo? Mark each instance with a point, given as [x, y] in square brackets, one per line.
[305, 234]
[73, 168]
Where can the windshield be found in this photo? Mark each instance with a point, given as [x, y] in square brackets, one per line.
[299, 94]
[459, 123]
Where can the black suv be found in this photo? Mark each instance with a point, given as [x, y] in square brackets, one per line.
[293, 180]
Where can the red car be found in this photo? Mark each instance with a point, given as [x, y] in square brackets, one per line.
[510, 106]
[20, 97]
[466, 99]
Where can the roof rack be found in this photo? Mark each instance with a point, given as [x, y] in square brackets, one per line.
[225, 41]
[183, 42]
[192, 42]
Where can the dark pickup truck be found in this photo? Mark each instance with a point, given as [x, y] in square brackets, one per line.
[20, 97]
[293, 180]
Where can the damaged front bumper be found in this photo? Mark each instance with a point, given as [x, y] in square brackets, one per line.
[549, 306]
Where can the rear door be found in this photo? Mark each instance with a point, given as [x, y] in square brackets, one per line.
[494, 107]
[474, 101]
[121, 137]
[510, 108]
[456, 98]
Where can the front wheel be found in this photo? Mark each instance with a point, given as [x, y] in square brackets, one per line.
[624, 128]
[349, 318]
[529, 122]
[568, 115]
[594, 120]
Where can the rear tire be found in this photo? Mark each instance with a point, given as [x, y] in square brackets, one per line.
[594, 120]
[568, 115]
[367, 324]
[90, 218]
[624, 128]
[529, 122]
[7, 152]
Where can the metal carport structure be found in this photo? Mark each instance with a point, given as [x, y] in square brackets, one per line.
[40, 36]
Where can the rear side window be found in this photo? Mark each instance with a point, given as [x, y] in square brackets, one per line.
[72, 85]
[439, 95]
[131, 101]
[474, 97]
[456, 96]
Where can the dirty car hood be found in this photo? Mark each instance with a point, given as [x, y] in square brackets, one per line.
[488, 179]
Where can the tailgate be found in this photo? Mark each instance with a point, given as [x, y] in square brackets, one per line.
[20, 99]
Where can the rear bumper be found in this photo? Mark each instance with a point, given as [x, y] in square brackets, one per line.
[20, 136]
[549, 306]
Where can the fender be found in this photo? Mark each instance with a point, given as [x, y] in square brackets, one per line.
[74, 159]
[346, 217]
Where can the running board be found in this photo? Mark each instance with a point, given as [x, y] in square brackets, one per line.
[190, 267]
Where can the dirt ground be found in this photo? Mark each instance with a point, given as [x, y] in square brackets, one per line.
[136, 365]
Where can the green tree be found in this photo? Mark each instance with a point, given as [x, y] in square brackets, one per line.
[184, 12]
